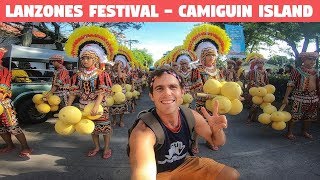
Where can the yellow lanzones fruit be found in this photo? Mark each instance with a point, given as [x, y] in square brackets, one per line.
[269, 98]
[264, 104]
[128, 95]
[262, 91]
[212, 86]
[187, 98]
[231, 90]
[135, 94]
[87, 111]
[270, 88]
[84, 126]
[224, 104]
[116, 88]
[222, 82]
[1, 109]
[269, 109]
[54, 108]
[278, 125]
[43, 108]
[257, 100]
[264, 118]
[287, 116]
[70, 115]
[128, 87]
[119, 98]
[109, 101]
[38, 99]
[63, 129]
[236, 107]
[54, 100]
[253, 91]
[277, 116]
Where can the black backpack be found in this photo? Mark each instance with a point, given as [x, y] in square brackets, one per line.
[151, 121]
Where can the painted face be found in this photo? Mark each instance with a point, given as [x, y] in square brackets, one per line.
[309, 63]
[175, 66]
[184, 65]
[210, 59]
[167, 94]
[88, 60]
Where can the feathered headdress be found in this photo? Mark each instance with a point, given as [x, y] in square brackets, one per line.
[252, 56]
[92, 38]
[125, 56]
[207, 35]
[180, 53]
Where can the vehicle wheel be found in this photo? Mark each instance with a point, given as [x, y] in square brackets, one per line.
[28, 114]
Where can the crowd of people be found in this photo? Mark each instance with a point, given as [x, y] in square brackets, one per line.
[175, 157]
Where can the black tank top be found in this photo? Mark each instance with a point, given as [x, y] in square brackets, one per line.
[175, 147]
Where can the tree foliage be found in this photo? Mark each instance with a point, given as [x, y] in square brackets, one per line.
[57, 33]
[143, 57]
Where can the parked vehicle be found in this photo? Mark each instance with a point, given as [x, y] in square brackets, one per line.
[35, 61]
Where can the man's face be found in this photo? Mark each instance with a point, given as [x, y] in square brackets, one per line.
[167, 94]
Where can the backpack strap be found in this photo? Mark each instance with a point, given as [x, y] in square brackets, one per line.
[152, 122]
[190, 119]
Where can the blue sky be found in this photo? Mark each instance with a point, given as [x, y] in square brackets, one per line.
[159, 37]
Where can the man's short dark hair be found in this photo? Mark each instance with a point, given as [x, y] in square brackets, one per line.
[159, 72]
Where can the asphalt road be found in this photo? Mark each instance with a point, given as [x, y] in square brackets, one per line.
[256, 151]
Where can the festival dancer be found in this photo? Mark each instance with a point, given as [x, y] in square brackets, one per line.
[91, 83]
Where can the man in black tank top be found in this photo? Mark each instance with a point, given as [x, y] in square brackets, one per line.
[171, 160]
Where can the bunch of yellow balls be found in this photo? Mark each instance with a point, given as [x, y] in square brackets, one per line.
[228, 94]
[45, 105]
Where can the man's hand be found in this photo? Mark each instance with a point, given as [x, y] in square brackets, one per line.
[216, 122]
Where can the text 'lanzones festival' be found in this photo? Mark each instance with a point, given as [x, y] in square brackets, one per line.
[150, 11]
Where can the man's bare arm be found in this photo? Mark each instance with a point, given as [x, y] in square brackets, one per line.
[142, 156]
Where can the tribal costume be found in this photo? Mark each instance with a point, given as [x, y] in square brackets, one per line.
[305, 100]
[8, 119]
[88, 84]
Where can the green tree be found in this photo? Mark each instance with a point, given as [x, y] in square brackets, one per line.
[59, 32]
[143, 57]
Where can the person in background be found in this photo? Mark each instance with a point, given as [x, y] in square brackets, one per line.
[304, 86]
[61, 80]
[8, 121]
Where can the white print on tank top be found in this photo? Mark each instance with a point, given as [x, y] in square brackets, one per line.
[174, 153]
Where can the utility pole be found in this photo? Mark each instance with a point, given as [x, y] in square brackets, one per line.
[131, 41]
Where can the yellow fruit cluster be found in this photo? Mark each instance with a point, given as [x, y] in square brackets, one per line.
[71, 119]
[262, 96]
[45, 105]
[121, 94]
[187, 99]
[228, 95]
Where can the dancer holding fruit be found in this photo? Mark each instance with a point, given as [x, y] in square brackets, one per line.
[91, 83]
[257, 77]
[207, 41]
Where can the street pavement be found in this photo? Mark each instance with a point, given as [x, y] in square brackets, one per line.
[256, 151]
